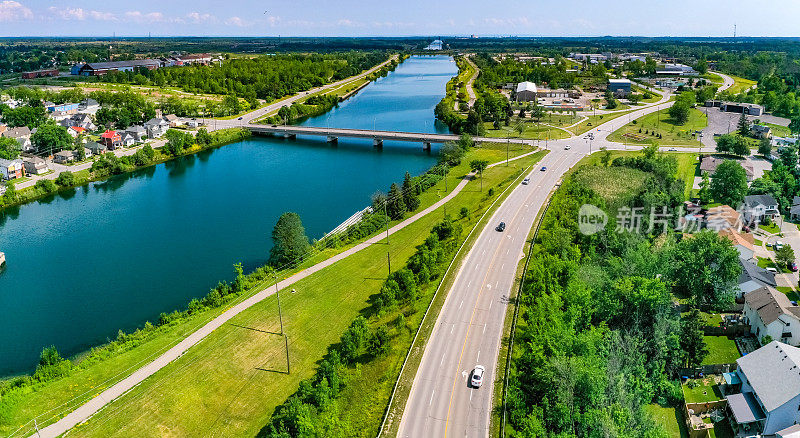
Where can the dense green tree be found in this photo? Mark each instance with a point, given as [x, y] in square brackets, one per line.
[410, 197]
[785, 254]
[729, 183]
[395, 206]
[704, 268]
[9, 148]
[692, 344]
[51, 138]
[451, 153]
[765, 147]
[289, 240]
[30, 116]
[743, 125]
[679, 111]
[66, 179]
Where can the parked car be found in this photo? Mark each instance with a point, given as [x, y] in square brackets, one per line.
[477, 376]
[792, 266]
[526, 181]
[773, 270]
[501, 226]
[778, 245]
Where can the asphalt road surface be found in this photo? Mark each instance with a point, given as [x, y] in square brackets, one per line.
[469, 327]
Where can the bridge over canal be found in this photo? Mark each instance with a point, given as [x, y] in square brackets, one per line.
[378, 137]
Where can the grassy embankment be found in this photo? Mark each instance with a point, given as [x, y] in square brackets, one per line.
[324, 305]
[740, 85]
[660, 122]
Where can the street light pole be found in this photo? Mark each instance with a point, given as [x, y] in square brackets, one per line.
[278, 295]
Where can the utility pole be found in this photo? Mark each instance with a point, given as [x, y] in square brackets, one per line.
[36, 425]
[280, 314]
[286, 341]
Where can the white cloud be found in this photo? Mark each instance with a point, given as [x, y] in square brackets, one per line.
[12, 11]
[150, 17]
[80, 14]
[236, 21]
[196, 17]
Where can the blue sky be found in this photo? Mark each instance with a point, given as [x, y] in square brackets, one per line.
[399, 18]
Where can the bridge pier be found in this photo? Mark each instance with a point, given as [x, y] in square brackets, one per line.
[426, 146]
[333, 139]
[378, 143]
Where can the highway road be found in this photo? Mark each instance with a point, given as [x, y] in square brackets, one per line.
[469, 327]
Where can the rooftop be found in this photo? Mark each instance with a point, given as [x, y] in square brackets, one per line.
[772, 371]
[526, 86]
[771, 304]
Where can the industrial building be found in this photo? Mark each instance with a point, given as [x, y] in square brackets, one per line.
[40, 73]
[525, 92]
[619, 87]
[750, 109]
[102, 68]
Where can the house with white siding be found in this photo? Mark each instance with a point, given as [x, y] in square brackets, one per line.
[770, 313]
[769, 401]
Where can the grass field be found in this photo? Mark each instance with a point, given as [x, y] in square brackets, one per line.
[593, 120]
[660, 123]
[614, 184]
[739, 85]
[531, 131]
[705, 391]
[721, 350]
[669, 418]
[778, 130]
[233, 379]
[687, 165]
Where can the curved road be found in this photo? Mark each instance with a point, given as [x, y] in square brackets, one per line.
[469, 327]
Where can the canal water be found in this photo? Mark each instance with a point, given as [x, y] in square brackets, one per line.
[114, 254]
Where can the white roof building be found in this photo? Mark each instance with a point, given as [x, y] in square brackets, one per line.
[526, 86]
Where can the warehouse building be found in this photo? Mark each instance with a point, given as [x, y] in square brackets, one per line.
[619, 87]
[102, 68]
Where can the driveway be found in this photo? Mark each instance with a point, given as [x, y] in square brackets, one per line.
[791, 236]
[722, 122]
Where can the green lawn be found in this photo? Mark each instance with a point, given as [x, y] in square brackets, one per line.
[614, 184]
[659, 122]
[531, 131]
[778, 130]
[739, 85]
[704, 392]
[233, 379]
[687, 165]
[593, 120]
[789, 293]
[772, 228]
[670, 419]
[721, 350]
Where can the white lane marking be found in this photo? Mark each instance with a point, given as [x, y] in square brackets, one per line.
[462, 303]
[469, 284]
[490, 305]
[452, 328]
[484, 330]
[478, 359]
[441, 361]
[431, 402]
[488, 286]
[497, 284]
[484, 251]
[470, 399]
[508, 251]
[503, 265]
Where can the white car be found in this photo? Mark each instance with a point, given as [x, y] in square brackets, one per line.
[567, 147]
[773, 270]
[477, 376]
[526, 181]
[777, 245]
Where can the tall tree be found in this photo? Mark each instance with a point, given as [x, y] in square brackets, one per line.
[478, 166]
[289, 240]
[743, 125]
[729, 183]
[410, 197]
[51, 138]
[692, 344]
[395, 206]
[705, 268]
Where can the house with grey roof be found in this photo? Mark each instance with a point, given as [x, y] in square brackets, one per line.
[34, 165]
[138, 132]
[756, 207]
[22, 134]
[753, 277]
[770, 391]
[771, 313]
[156, 127]
[794, 212]
[760, 131]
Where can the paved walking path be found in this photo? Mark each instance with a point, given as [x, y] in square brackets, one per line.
[88, 409]
[470, 90]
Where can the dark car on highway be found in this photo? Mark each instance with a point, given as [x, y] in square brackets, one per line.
[501, 226]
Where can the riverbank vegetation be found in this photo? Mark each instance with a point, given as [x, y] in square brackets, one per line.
[109, 164]
[325, 304]
[598, 337]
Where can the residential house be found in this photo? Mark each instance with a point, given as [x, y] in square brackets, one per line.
[156, 127]
[794, 212]
[3, 128]
[770, 391]
[753, 277]
[68, 108]
[709, 165]
[138, 132]
[173, 120]
[792, 431]
[96, 148]
[11, 169]
[127, 138]
[111, 139]
[760, 131]
[23, 136]
[771, 313]
[194, 123]
[75, 131]
[742, 242]
[34, 165]
[756, 207]
[84, 121]
[64, 157]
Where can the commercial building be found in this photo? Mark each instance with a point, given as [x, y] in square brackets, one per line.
[750, 109]
[619, 87]
[677, 70]
[40, 73]
[102, 68]
[525, 92]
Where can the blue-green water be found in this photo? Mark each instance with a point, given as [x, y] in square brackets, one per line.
[113, 254]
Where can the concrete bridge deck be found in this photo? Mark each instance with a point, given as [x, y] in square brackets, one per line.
[333, 134]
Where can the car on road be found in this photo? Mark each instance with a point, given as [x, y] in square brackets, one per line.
[501, 226]
[544, 168]
[526, 181]
[672, 149]
[567, 147]
[792, 266]
[239, 118]
[777, 245]
[773, 270]
[477, 376]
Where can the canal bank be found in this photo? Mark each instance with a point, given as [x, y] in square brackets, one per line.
[116, 253]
